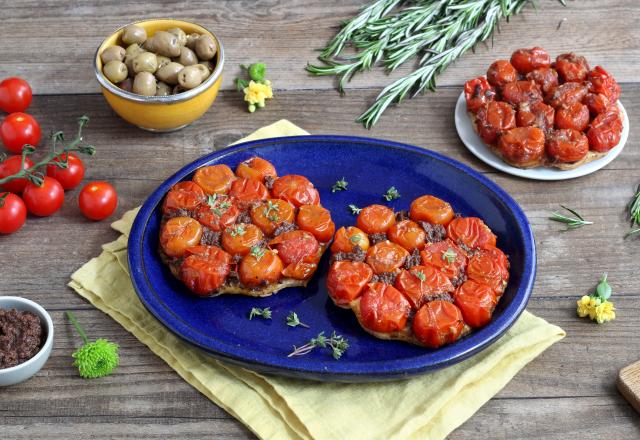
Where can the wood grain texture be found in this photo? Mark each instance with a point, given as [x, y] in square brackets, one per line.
[629, 384]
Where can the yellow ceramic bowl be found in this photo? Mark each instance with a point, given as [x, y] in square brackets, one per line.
[161, 113]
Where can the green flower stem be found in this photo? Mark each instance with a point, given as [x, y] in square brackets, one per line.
[75, 323]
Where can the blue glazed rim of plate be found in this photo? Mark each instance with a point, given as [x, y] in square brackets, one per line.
[339, 371]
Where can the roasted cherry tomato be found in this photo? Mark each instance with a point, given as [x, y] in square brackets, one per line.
[386, 257]
[43, 200]
[317, 220]
[293, 246]
[566, 94]
[256, 168]
[526, 60]
[296, 190]
[304, 268]
[15, 95]
[522, 146]
[19, 129]
[438, 323]
[596, 103]
[478, 92]
[272, 213]
[545, 77]
[11, 166]
[489, 266]
[446, 256]
[383, 308]
[375, 219]
[476, 302]
[470, 232]
[72, 175]
[246, 191]
[537, 114]
[567, 145]
[13, 213]
[178, 234]
[494, 118]
[240, 238]
[97, 200]
[260, 268]
[519, 92]
[606, 130]
[218, 212]
[602, 82]
[205, 269]
[421, 284]
[346, 239]
[501, 72]
[346, 281]
[186, 196]
[572, 67]
[431, 209]
[407, 234]
[214, 179]
[575, 116]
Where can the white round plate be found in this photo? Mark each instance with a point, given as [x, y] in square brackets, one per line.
[477, 146]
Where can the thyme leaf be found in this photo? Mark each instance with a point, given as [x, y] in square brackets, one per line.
[340, 185]
[263, 313]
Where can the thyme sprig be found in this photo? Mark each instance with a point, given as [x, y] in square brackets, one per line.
[354, 209]
[634, 214]
[336, 343]
[340, 185]
[257, 311]
[391, 194]
[572, 223]
[294, 321]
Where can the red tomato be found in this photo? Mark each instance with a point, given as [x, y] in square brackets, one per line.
[606, 130]
[437, 323]
[317, 220]
[293, 246]
[489, 266]
[386, 257]
[501, 72]
[421, 284]
[574, 116]
[519, 92]
[19, 129]
[15, 95]
[272, 213]
[375, 219]
[522, 146]
[545, 77]
[43, 200]
[431, 209]
[446, 256]
[602, 82]
[214, 179]
[13, 213]
[247, 191]
[256, 168]
[566, 94]
[537, 114]
[346, 239]
[239, 239]
[476, 302]
[493, 119]
[295, 189]
[205, 269]
[526, 60]
[261, 269]
[470, 232]
[304, 268]
[11, 166]
[596, 103]
[186, 196]
[178, 234]
[408, 234]
[567, 145]
[69, 177]
[383, 308]
[346, 281]
[98, 200]
[218, 212]
[572, 67]
[478, 92]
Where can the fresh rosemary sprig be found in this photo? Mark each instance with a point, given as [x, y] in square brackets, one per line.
[257, 311]
[634, 214]
[572, 223]
[294, 321]
[340, 185]
[336, 343]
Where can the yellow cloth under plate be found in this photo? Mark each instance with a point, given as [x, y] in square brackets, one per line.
[426, 407]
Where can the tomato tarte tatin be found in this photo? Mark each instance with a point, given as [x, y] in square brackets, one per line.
[249, 232]
[533, 111]
[425, 276]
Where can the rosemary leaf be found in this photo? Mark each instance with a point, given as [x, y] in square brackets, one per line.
[572, 223]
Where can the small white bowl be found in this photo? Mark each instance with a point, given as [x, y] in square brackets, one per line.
[23, 371]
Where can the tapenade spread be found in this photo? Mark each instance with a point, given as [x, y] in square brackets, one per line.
[20, 337]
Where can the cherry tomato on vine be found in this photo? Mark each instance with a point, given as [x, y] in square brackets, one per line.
[11, 166]
[19, 129]
[13, 213]
[44, 200]
[98, 200]
[15, 95]
[69, 177]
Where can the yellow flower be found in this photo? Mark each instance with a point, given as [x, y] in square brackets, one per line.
[595, 309]
[583, 306]
[255, 93]
[605, 312]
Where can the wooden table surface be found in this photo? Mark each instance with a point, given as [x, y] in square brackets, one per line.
[568, 392]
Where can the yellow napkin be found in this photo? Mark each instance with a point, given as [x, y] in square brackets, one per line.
[426, 407]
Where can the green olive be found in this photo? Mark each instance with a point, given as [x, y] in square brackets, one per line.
[205, 47]
[204, 71]
[115, 71]
[187, 57]
[182, 36]
[163, 89]
[190, 77]
[191, 40]
[178, 89]
[127, 84]
[144, 84]
[112, 53]
[133, 34]
[149, 44]
[162, 61]
[169, 73]
[166, 44]
[145, 62]
[133, 50]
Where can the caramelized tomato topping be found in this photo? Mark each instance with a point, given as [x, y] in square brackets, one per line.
[183, 195]
[537, 114]
[493, 119]
[293, 246]
[178, 234]
[272, 213]
[602, 82]
[478, 92]
[526, 60]
[501, 72]
[476, 302]
[346, 281]
[347, 238]
[438, 323]
[218, 212]
[431, 209]
[567, 145]
[545, 77]
[375, 219]
[572, 67]
[470, 232]
[421, 284]
[247, 192]
[386, 257]
[575, 116]
[606, 130]
[205, 269]
[256, 168]
[445, 256]
[240, 238]
[214, 179]
[596, 103]
[295, 189]
[383, 308]
[566, 94]
[522, 145]
[489, 266]
[407, 234]
[519, 92]
[260, 270]
[317, 220]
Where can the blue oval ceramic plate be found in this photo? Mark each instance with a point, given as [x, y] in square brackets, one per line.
[220, 325]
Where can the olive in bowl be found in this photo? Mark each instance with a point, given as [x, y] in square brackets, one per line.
[153, 94]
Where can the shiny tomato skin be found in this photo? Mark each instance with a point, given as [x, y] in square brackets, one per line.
[317, 220]
[383, 308]
[19, 129]
[295, 189]
[476, 302]
[386, 257]
[567, 145]
[240, 238]
[15, 95]
[526, 60]
[11, 166]
[259, 271]
[478, 92]
[214, 179]
[178, 234]
[500, 73]
[522, 145]
[572, 67]
[44, 200]
[375, 219]
[256, 168]
[519, 92]
[272, 213]
[601, 81]
[575, 116]
[438, 323]
[428, 208]
[293, 246]
[566, 94]
[435, 254]
[186, 195]
[421, 284]
[407, 234]
[346, 280]
[347, 238]
[218, 214]
[98, 200]
[471, 232]
[489, 266]
[247, 191]
[494, 118]
[13, 213]
[606, 130]
[596, 103]
[71, 176]
[205, 269]
[545, 77]
[537, 114]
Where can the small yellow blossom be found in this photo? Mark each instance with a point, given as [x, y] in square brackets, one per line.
[583, 306]
[255, 93]
[605, 312]
[596, 309]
